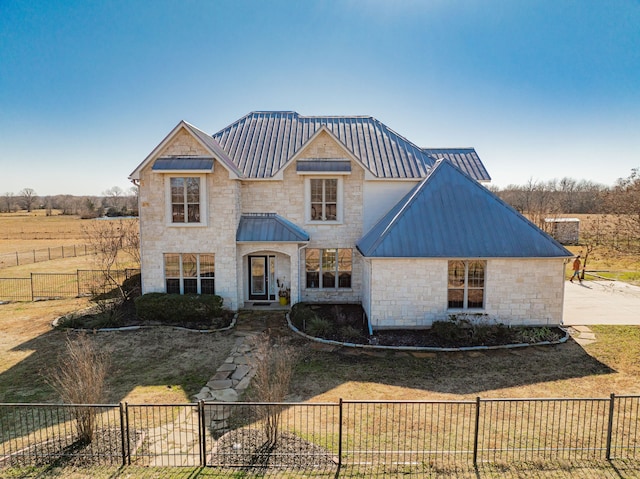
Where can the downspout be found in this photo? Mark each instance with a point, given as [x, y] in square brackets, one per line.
[369, 299]
[299, 269]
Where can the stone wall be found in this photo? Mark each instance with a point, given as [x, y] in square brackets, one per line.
[215, 235]
[413, 292]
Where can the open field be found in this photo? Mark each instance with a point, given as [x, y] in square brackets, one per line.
[25, 232]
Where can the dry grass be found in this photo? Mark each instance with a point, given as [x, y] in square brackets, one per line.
[147, 366]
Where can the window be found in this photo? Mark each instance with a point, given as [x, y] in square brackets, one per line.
[466, 284]
[323, 199]
[185, 199]
[328, 268]
[187, 273]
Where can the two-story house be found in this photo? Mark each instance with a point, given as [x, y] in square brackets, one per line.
[339, 209]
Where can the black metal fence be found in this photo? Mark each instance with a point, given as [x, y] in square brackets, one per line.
[411, 436]
[61, 285]
[19, 258]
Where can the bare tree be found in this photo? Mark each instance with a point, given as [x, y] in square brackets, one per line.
[115, 242]
[9, 202]
[28, 198]
[624, 201]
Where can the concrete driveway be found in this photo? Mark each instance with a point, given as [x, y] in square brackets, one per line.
[601, 302]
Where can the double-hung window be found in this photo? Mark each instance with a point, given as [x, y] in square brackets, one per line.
[328, 268]
[324, 199]
[187, 273]
[185, 199]
[466, 284]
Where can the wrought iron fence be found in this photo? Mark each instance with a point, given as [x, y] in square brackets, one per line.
[356, 435]
[61, 285]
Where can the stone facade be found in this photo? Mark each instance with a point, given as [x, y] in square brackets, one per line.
[395, 293]
[412, 293]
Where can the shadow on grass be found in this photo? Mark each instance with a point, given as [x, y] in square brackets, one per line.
[459, 373]
[548, 470]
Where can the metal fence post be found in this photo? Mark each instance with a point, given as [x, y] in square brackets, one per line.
[339, 434]
[610, 425]
[122, 435]
[32, 295]
[475, 433]
[202, 433]
[78, 281]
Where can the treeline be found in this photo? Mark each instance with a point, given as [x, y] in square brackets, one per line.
[112, 202]
[621, 203]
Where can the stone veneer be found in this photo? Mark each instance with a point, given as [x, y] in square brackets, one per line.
[408, 293]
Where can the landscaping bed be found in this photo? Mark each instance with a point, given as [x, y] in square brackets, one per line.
[348, 323]
[185, 311]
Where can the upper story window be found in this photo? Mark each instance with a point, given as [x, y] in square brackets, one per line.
[185, 200]
[323, 200]
[466, 284]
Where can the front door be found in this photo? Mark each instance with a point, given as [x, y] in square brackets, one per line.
[261, 278]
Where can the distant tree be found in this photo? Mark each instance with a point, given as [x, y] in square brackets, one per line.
[623, 200]
[28, 198]
[8, 202]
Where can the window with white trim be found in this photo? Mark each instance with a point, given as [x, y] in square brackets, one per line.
[466, 284]
[329, 268]
[323, 200]
[189, 273]
[186, 199]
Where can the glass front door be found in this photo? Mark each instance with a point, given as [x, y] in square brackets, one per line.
[262, 278]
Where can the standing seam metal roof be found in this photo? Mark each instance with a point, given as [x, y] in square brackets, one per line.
[450, 215]
[269, 227]
[261, 143]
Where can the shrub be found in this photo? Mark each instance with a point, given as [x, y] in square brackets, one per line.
[79, 378]
[274, 364]
[534, 335]
[301, 314]
[349, 333]
[318, 327]
[132, 286]
[178, 309]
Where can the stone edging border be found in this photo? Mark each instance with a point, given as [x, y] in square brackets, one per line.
[424, 348]
[54, 324]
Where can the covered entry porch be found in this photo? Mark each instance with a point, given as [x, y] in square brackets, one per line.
[268, 249]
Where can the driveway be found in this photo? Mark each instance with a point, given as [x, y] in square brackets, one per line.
[601, 302]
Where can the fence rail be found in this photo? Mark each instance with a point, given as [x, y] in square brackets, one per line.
[61, 285]
[361, 435]
[19, 258]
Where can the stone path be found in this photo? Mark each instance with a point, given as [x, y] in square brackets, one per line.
[582, 335]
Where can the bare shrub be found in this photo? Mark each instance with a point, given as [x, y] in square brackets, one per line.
[79, 378]
[274, 364]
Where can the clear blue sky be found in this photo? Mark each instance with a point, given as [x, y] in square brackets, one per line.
[542, 89]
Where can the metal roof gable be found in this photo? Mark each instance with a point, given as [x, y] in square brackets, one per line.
[450, 215]
[205, 140]
[261, 143]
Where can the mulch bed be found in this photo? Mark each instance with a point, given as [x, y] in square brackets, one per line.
[467, 335]
[248, 448]
[106, 449]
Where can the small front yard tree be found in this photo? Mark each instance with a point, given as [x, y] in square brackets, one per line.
[115, 243]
